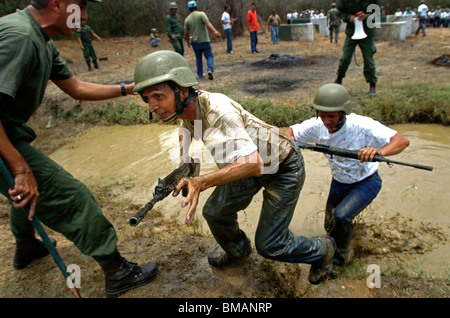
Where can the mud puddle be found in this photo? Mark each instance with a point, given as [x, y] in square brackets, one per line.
[408, 220]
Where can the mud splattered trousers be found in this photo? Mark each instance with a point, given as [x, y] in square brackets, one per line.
[345, 202]
[273, 239]
[65, 205]
[368, 50]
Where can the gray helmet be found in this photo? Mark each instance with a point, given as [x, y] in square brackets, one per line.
[173, 5]
[163, 66]
[333, 98]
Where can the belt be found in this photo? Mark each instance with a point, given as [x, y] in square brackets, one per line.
[285, 169]
[291, 152]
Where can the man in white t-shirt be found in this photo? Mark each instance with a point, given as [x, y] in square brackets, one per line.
[422, 11]
[355, 183]
[226, 24]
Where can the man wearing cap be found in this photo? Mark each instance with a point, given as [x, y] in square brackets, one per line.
[250, 155]
[175, 29]
[349, 11]
[334, 23]
[274, 24]
[422, 11]
[28, 59]
[196, 28]
[355, 184]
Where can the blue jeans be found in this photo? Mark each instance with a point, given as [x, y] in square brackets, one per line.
[273, 239]
[201, 49]
[254, 40]
[229, 34]
[274, 31]
[345, 202]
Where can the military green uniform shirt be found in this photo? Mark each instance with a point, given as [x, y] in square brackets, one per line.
[28, 59]
[333, 16]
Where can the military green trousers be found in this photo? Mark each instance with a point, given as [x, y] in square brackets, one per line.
[88, 53]
[368, 50]
[178, 46]
[66, 206]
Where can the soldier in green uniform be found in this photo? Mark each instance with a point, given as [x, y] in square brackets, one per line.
[348, 9]
[85, 35]
[175, 28]
[28, 60]
[334, 22]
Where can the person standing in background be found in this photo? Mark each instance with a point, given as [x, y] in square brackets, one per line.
[334, 22]
[226, 24]
[253, 27]
[422, 11]
[274, 24]
[85, 35]
[196, 26]
[174, 28]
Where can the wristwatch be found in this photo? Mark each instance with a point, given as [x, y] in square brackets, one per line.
[122, 89]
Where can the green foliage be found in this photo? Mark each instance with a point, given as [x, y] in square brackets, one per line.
[120, 113]
[412, 103]
[281, 116]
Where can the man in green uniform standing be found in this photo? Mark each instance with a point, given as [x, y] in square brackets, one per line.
[349, 10]
[334, 22]
[175, 28]
[28, 59]
[85, 35]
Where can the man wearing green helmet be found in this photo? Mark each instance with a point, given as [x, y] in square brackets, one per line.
[355, 183]
[175, 28]
[250, 155]
[28, 60]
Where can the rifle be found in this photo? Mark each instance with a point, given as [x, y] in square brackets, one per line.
[165, 187]
[353, 154]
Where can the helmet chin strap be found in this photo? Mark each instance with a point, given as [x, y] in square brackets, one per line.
[342, 121]
[180, 105]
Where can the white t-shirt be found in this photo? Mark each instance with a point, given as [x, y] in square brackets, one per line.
[357, 133]
[226, 18]
[422, 10]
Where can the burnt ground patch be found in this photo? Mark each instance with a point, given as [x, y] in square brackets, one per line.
[443, 60]
[272, 85]
[281, 74]
[279, 61]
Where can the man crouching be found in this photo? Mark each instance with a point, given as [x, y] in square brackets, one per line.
[250, 155]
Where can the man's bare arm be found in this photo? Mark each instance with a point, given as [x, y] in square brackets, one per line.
[80, 90]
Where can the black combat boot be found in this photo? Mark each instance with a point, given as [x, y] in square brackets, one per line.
[338, 80]
[372, 90]
[28, 251]
[122, 276]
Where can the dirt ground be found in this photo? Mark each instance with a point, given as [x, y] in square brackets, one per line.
[180, 252]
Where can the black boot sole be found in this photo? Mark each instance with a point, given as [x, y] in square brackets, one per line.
[125, 289]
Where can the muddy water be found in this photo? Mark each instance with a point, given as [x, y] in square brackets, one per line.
[409, 217]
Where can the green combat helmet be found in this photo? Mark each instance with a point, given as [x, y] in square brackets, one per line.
[160, 67]
[166, 67]
[333, 98]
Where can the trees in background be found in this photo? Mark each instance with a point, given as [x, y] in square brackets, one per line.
[137, 17]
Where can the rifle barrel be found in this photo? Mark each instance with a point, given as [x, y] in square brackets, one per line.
[353, 154]
[137, 218]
